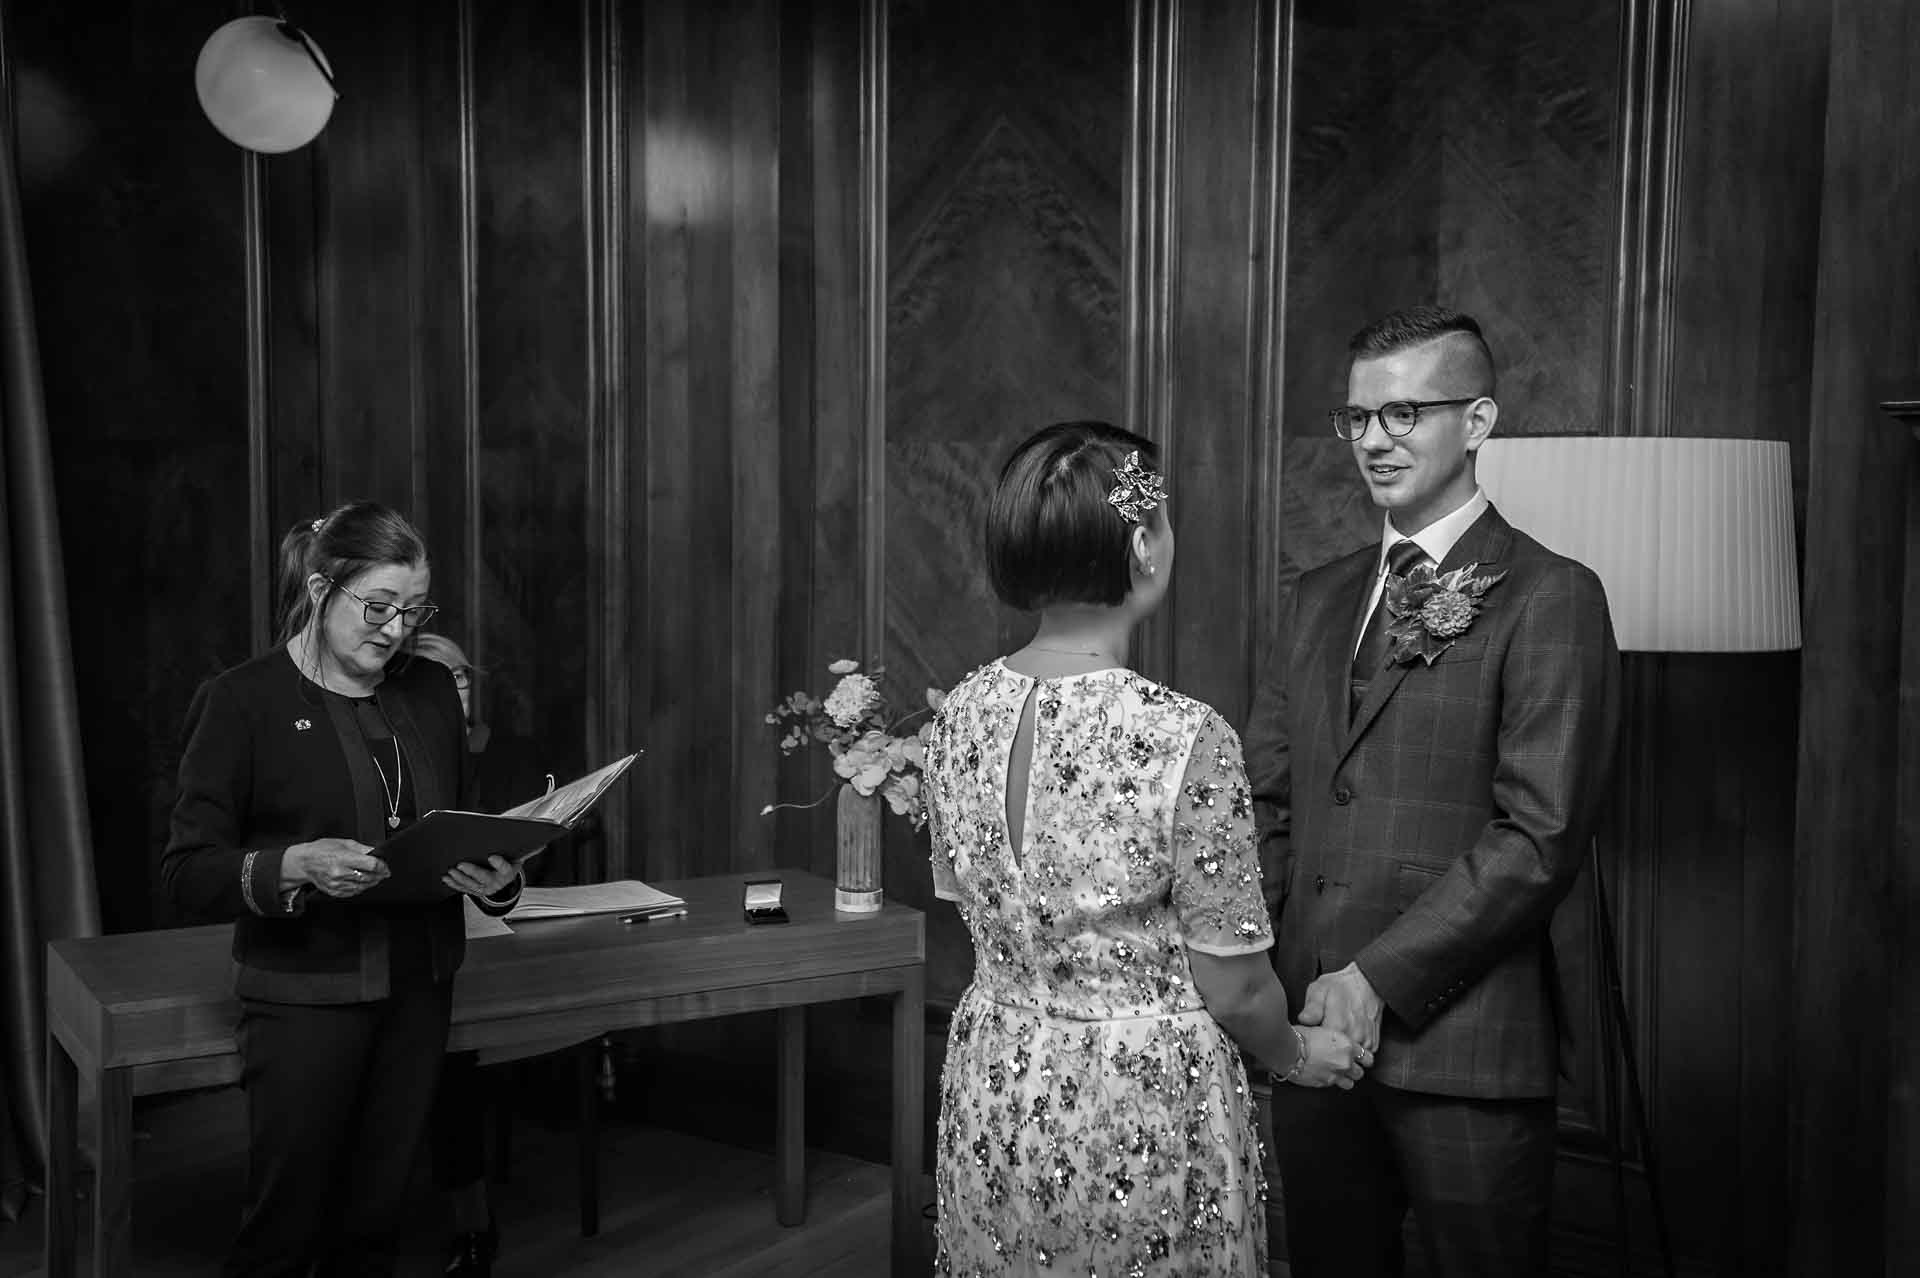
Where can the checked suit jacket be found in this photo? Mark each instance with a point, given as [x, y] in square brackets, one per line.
[1430, 835]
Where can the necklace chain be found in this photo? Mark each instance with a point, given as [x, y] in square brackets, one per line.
[1071, 652]
[399, 787]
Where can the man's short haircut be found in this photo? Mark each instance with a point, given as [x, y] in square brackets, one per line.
[1052, 535]
[1468, 361]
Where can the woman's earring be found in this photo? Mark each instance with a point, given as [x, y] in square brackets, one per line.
[1148, 566]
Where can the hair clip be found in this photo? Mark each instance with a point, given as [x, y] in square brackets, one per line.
[1139, 490]
[317, 523]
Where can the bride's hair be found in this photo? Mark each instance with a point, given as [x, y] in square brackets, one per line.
[1054, 534]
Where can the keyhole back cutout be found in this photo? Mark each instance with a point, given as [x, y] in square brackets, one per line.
[1019, 769]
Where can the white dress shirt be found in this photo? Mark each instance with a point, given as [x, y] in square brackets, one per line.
[1437, 540]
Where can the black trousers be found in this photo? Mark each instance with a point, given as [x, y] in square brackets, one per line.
[1477, 1174]
[458, 1134]
[337, 1104]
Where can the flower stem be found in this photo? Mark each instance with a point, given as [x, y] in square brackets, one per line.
[906, 719]
[775, 807]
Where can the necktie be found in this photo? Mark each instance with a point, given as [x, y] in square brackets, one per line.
[1402, 557]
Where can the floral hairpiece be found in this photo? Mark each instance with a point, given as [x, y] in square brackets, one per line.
[317, 523]
[1139, 490]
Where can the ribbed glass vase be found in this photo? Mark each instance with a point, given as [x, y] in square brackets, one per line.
[857, 867]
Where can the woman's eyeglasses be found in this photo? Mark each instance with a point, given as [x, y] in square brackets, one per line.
[378, 612]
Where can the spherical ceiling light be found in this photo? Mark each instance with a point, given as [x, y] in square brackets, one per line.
[264, 84]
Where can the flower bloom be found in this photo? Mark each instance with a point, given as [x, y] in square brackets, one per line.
[849, 702]
[1446, 614]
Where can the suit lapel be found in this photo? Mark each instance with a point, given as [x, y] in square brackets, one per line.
[1337, 627]
[1484, 543]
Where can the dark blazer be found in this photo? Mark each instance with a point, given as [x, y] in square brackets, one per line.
[1431, 839]
[271, 761]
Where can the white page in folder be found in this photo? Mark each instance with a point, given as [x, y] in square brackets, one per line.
[588, 898]
[565, 804]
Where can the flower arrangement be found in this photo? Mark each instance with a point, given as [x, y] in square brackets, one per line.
[1431, 610]
[870, 750]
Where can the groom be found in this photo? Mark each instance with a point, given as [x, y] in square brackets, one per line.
[1428, 753]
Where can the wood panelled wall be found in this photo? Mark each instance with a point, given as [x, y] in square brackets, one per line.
[693, 333]
[1855, 1162]
[572, 285]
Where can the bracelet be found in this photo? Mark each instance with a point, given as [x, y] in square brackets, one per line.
[1293, 1070]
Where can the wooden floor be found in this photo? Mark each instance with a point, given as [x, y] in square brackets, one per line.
[670, 1204]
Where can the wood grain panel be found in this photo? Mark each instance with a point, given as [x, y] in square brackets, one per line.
[1744, 257]
[1149, 204]
[759, 441]
[1003, 314]
[1454, 154]
[366, 243]
[535, 553]
[1224, 164]
[611, 493]
[706, 211]
[1903, 1110]
[132, 207]
[443, 281]
[823, 330]
[1845, 919]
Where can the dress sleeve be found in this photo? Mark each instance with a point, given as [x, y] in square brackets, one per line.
[1216, 862]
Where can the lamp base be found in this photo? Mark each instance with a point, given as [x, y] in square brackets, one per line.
[848, 901]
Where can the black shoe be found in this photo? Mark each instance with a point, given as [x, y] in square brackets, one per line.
[470, 1255]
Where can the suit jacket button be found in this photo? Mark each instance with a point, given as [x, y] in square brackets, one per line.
[1342, 795]
[1319, 882]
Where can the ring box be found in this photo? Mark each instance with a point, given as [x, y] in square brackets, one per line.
[760, 901]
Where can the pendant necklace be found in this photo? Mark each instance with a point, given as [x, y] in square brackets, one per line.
[393, 792]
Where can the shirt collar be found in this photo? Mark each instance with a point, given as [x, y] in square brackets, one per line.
[1438, 538]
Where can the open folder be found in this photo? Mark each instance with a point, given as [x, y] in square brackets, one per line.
[423, 852]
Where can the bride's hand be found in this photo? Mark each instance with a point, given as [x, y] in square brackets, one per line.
[1332, 1060]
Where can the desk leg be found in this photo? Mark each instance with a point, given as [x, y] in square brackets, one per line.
[113, 1177]
[63, 1139]
[909, 1052]
[790, 1136]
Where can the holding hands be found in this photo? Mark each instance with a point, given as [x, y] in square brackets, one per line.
[1339, 1030]
[1345, 1000]
[1327, 1058]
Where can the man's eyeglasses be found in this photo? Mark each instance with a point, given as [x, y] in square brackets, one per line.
[463, 677]
[377, 612]
[1396, 418]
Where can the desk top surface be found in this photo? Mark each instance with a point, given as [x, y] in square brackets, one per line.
[147, 995]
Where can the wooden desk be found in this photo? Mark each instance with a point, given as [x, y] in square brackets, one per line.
[153, 1012]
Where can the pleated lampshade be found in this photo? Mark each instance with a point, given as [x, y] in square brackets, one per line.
[1692, 538]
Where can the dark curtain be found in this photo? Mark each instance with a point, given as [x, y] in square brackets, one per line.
[46, 852]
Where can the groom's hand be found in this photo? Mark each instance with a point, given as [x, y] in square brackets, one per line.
[1345, 1000]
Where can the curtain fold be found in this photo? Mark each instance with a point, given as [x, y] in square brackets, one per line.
[47, 886]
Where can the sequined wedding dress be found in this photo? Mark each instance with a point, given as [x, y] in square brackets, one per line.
[1094, 1119]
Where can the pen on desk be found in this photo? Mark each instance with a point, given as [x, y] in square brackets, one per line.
[648, 916]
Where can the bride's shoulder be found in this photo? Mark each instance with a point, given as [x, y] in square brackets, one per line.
[1152, 695]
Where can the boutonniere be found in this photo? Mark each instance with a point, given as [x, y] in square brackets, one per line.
[1431, 610]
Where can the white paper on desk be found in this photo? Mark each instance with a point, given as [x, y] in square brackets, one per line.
[480, 923]
[588, 898]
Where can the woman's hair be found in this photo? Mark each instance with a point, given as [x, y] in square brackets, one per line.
[1053, 535]
[340, 546]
